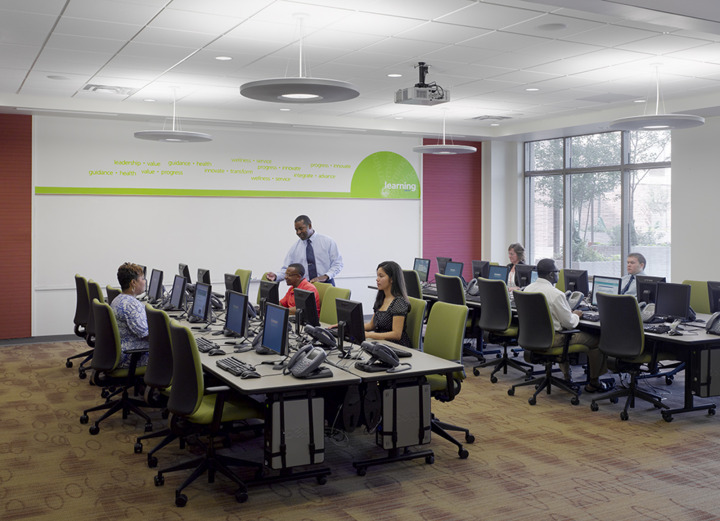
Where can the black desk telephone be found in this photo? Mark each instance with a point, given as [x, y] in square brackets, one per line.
[306, 363]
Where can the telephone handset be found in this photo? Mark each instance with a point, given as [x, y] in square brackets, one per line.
[305, 361]
[321, 335]
[713, 324]
[381, 353]
[575, 298]
[472, 288]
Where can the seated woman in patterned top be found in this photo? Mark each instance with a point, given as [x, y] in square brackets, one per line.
[130, 313]
[391, 306]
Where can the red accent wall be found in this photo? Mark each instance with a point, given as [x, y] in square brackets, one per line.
[15, 225]
[451, 207]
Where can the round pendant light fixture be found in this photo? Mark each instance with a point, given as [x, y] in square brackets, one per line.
[657, 121]
[301, 89]
[173, 135]
[444, 149]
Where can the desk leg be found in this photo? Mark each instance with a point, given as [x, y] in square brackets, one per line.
[689, 404]
[394, 455]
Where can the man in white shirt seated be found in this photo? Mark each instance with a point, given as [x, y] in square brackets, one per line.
[564, 318]
[635, 266]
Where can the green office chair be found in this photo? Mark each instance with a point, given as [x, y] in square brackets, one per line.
[328, 309]
[560, 284]
[94, 292]
[444, 339]
[699, 295]
[82, 312]
[322, 287]
[158, 377]
[412, 284]
[264, 277]
[204, 411]
[622, 339]
[414, 322]
[496, 320]
[108, 375]
[536, 335]
[112, 292]
[245, 276]
[450, 289]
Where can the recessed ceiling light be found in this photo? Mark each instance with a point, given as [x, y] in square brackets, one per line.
[223, 58]
[639, 101]
[57, 77]
[284, 110]
[394, 75]
[532, 89]
[552, 27]
[398, 117]
[149, 100]
[494, 124]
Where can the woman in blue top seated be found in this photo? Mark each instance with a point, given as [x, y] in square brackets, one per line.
[391, 306]
[130, 313]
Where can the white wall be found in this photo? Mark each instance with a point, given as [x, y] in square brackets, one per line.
[92, 234]
[695, 190]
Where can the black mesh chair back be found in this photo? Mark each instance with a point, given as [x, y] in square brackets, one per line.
[535, 324]
[111, 293]
[622, 334]
[496, 313]
[94, 292]
[160, 359]
[450, 289]
[187, 368]
[107, 338]
[82, 306]
[412, 283]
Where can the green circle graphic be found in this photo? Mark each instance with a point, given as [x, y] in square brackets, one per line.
[385, 175]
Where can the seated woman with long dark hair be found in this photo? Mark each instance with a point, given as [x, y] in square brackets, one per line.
[391, 306]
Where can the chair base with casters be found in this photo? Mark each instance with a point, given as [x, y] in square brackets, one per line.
[503, 363]
[546, 382]
[441, 428]
[632, 391]
[124, 402]
[86, 356]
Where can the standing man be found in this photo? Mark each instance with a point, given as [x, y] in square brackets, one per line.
[295, 278]
[317, 253]
[564, 318]
[635, 266]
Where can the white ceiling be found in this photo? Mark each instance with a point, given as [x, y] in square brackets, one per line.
[589, 59]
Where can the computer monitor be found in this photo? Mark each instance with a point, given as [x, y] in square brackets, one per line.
[200, 310]
[714, 295]
[185, 272]
[524, 273]
[577, 280]
[233, 283]
[350, 315]
[236, 314]
[610, 285]
[646, 288]
[672, 301]
[275, 329]
[480, 268]
[454, 269]
[442, 262]
[144, 268]
[203, 276]
[306, 307]
[177, 295]
[498, 273]
[155, 290]
[422, 266]
[269, 293]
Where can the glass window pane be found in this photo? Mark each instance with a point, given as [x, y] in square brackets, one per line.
[545, 155]
[650, 218]
[595, 150]
[596, 221]
[545, 197]
[649, 146]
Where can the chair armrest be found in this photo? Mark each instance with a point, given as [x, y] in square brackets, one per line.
[568, 331]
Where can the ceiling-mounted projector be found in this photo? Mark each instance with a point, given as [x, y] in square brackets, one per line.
[422, 93]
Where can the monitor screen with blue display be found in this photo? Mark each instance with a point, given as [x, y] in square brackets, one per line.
[275, 328]
[454, 269]
[610, 285]
[498, 273]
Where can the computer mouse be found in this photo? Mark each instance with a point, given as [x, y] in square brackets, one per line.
[216, 352]
[249, 374]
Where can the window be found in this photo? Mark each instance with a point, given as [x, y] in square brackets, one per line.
[592, 199]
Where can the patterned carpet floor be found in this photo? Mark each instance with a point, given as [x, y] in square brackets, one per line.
[553, 461]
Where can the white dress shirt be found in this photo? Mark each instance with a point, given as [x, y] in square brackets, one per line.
[632, 290]
[562, 315]
[328, 260]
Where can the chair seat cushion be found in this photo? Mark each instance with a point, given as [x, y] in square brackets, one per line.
[123, 372]
[234, 410]
[438, 382]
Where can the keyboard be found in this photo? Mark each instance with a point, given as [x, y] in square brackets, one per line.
[656, 328]
[591, 316]
[234, 366]
[204, 345]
